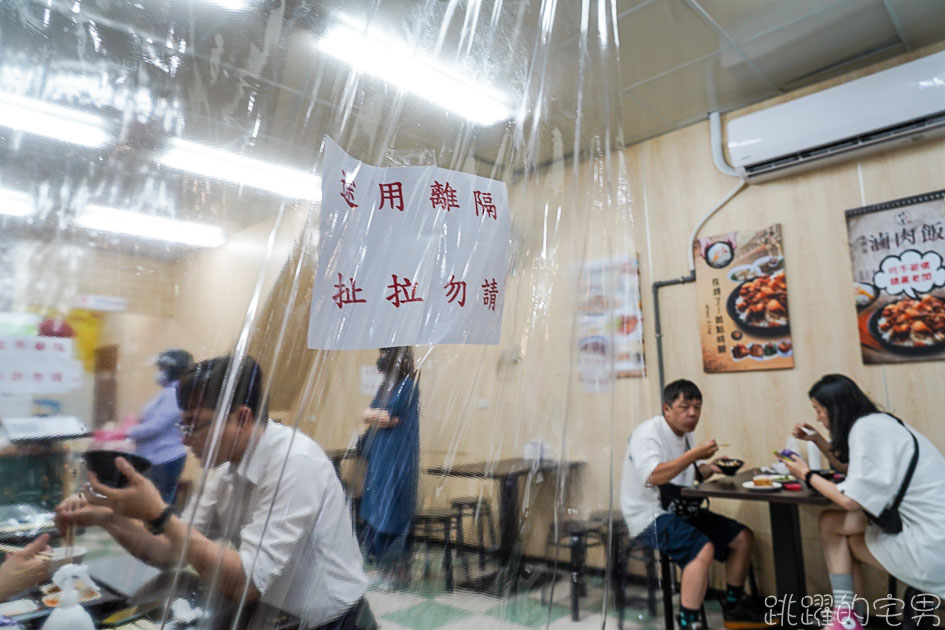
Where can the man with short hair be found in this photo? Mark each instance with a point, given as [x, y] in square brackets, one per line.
[660, 461]
[271, 493]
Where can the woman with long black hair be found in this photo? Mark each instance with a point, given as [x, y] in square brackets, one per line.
[877, 451]
[392, 452]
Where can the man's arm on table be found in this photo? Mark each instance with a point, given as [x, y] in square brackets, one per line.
[212, 560]
[667, 471]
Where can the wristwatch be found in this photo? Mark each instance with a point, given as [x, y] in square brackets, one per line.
[157, 525]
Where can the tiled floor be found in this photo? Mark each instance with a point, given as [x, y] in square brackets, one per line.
[426, 606]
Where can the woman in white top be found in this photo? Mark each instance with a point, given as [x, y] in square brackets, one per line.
[874, 449]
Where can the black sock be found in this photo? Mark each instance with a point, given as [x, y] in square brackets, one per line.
[734, 593]
[687, 616]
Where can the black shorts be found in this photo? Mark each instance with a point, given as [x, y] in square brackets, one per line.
[683, 538]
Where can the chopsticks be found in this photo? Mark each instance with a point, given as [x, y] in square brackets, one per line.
[70, 542]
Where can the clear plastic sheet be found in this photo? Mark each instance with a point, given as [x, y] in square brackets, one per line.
[164, 171]
[165, 185]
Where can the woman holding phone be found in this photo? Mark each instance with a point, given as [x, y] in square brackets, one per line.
[876, 450]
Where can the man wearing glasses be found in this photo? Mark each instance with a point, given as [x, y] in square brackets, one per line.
[271, 494]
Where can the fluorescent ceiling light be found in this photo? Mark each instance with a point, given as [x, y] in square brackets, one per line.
[16, 203]
[218, 164]
[232, 5]
[52, 121]
[377, 53]
[151, 227]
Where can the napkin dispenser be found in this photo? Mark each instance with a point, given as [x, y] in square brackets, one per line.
[536, 451]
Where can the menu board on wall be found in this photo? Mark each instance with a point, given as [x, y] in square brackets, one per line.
[897, 249]
[743, 307]
[609, 322]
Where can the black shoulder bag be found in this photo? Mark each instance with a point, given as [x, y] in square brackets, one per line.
[889, 520]
[671, 497]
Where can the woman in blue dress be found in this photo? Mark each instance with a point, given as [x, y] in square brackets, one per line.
[392, 452]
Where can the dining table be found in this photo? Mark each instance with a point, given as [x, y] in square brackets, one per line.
[783, 512]
[508, 472]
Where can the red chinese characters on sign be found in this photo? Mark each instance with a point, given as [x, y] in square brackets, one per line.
[404, 291]
[393, 193]
[443, 196]
[347, 192]
[347, 294]
[455, 288]
[484, 204]
[490, 291]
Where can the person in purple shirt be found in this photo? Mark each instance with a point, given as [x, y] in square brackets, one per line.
[156, 436]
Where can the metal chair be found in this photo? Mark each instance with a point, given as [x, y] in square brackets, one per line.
[622, 549]
[481, 513]
[428, 522]
[577, 536]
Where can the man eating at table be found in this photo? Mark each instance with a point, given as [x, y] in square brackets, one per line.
[270, 492]
[660, 462]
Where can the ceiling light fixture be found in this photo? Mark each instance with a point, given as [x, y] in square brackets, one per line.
[16, 203]
[200, 159]
[232, 5]
[52, 121]
[150, 227]
[381, 55]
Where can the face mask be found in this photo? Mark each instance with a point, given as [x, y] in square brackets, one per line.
[161, 379]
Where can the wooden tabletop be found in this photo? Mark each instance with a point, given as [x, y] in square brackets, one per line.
[501, 468]
[731, 488]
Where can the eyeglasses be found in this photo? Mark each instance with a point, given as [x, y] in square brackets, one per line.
[189, 429]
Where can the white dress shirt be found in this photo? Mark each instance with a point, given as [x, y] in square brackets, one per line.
[294, 535]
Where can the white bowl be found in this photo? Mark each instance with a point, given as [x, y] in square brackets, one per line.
[59, 558]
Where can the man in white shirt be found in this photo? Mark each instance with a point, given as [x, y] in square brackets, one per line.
[661, 460]
[273, 497]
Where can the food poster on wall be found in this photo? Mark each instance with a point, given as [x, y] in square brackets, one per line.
[897, 249]
[609, 322]
[743, 306]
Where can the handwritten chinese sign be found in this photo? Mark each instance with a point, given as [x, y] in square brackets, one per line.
[408, 255]
[743, 305]
[37, 365]
[897, 249]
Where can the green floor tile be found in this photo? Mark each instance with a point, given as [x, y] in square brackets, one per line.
[528, 611]
[427, 616]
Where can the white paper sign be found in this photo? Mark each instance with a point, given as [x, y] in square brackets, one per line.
[408, 255]
[39, 365]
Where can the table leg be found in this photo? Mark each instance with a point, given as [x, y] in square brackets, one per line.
[790, 578]
[508, 517]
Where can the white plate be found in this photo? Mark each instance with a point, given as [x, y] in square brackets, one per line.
[18, 607]
[751, 486]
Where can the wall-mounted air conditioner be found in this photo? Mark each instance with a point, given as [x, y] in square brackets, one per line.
[898, 106]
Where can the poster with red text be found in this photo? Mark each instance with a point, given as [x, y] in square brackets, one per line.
[743, 301]
[408, 255]
[897, 249]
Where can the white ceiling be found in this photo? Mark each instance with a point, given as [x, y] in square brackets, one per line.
[684, 58]
[251, 82]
